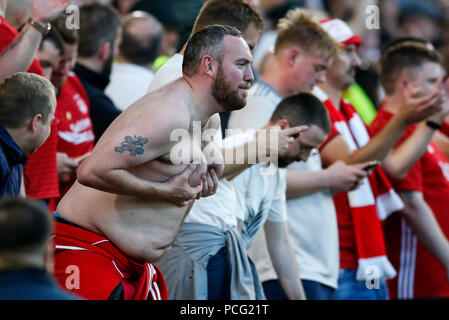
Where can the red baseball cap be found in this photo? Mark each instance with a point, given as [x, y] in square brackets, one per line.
[340, 31]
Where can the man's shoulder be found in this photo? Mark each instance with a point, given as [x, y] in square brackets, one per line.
[161, 106]
[262, 95]
[381, 119]
[262, 89]
[261, 103]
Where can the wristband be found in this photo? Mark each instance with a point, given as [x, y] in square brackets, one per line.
[433, 125]
[42, 28]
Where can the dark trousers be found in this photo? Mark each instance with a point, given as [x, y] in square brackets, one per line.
[314, 290]
[219, 276]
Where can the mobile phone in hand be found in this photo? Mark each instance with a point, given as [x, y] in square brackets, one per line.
[371, 165]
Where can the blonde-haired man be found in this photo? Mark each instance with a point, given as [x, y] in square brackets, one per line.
[303, 51]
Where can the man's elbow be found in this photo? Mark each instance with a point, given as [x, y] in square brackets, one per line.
[394, 172]
[85, 175]
[414, 203]
[398, 174]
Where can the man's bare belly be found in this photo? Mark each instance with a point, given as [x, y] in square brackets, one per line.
[141, 228]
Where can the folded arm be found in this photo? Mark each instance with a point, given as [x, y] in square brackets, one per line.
[112, 164]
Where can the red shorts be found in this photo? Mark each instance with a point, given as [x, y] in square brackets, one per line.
[90, 266]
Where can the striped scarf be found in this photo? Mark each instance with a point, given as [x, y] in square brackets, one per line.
[371, 203]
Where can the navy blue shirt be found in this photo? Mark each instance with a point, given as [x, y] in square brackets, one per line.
[30, 284]
[102, 110]
[12, 160]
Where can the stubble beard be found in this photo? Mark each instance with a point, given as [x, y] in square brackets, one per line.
[225, 96]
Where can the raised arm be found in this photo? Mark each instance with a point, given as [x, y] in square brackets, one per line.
[414, 109]
[17, 57]
[401, 159]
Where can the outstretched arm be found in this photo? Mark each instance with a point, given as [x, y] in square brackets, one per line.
[338, 177]
[238, 159]
[17, 57]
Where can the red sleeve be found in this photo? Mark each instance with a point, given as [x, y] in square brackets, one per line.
[445, 128]
[413, 181]
[7, 36]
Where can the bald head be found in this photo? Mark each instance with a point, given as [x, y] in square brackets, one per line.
[141, 39]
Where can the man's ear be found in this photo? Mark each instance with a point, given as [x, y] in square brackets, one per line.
[105, 51]
[292, 55]
[402, 82]
[33, 123]
[404, 87]
[283, 124]
[208, 65]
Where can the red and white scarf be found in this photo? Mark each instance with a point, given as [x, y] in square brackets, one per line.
[371, 203]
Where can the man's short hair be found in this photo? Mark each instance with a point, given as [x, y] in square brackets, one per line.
[235, 13]
[55, 39]
[303, 109]
[22, 96]
[208, 41]
[141, 48]
[25, 226]
[404, 54]
[68, 35]
[299, 29]
[99, 24]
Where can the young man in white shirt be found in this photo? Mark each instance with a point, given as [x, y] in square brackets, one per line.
[302, 53]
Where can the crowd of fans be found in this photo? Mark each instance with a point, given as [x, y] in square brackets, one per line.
[348, 203]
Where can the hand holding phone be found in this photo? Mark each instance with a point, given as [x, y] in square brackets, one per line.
[371, 165]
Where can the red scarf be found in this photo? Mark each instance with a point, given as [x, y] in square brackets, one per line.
[369, 204]
[140, 281]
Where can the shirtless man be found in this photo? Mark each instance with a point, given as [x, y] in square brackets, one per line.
[130, 199]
